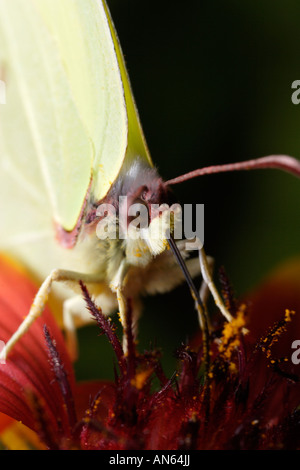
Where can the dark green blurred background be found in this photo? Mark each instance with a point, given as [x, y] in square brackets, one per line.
[212, 81]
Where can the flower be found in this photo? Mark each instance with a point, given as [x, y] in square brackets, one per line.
[246, 396]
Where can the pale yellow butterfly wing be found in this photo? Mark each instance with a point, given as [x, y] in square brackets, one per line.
[64, 127]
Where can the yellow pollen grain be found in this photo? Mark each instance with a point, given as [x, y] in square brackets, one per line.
[96, 404]
[288, 315]
[140, 379]
[274, 336]
[230, 334]
[120, 319]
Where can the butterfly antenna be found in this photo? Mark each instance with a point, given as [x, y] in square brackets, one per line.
[196, 297]
[279, 162]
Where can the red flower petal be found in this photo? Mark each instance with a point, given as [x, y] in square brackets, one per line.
[27, 368]
[5, 421]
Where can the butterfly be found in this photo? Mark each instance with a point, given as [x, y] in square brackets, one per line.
[71, 149]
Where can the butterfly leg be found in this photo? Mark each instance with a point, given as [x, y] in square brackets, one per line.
[40, 301]
[207, 278]
[204, 289]
[117, 286]
[135, 315]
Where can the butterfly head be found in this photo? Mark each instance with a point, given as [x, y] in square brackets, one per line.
[135, 213]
